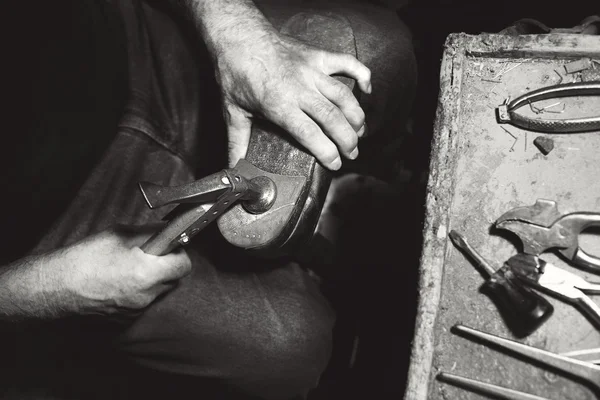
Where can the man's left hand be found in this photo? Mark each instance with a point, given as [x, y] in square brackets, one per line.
[288, 82]
[264, 74]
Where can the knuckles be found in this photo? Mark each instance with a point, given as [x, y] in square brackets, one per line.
[351, 142]
[328, 113]
[306, 131]
[343, 92]
[285, 83]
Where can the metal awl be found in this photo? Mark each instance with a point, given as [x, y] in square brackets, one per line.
[579, 369]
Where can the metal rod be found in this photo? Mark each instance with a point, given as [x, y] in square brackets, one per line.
[580, 369]
[460, 241]
[588, 355]
[487, 388]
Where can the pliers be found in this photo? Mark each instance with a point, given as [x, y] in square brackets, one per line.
[260, 193]
[541, 227]
[556, 281]
[506, 113]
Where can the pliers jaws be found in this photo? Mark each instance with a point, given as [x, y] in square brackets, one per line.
[541, 227]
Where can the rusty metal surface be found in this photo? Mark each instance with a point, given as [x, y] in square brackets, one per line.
[480, 170]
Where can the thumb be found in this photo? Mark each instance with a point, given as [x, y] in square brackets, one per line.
[239, 126]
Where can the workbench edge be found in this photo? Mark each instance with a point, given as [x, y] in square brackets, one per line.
[440, 191]
[550, 45]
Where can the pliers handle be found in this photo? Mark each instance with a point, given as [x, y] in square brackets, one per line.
[540, 274]
[574, 224]
[506, 113]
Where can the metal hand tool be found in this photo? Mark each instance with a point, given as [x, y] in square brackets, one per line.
[578, 369]
[506, 113]
[556, 281]
[488, 389]
[522, 309]
[542, 227]
[204, 200]
[588, 355]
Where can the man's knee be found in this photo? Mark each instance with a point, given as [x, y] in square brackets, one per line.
[265, 336]
[291, 355]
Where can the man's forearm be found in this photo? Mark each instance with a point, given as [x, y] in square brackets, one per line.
[28, 290]
[224, 23]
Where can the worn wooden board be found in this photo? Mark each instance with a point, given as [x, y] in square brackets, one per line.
[478, 171]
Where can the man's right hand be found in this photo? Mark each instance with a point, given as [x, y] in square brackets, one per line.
[106, 274]
[109, 274]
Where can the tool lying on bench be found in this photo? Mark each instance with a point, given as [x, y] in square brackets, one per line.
[588, 355]
[496, 391]
[582, 370]
[506, 113]
[522, 309]
[541, 227]
[271, 201]
[558, 282]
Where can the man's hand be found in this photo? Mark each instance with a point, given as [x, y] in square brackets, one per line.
[265, 74]
[106, 274]
[289, 83]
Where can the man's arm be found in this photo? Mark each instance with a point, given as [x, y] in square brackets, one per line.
[28, 291]
[103, 274]
[265, 74]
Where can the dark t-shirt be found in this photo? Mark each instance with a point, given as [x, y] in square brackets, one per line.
[64, 89]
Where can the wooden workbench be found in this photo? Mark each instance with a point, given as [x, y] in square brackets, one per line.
[478, 171]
